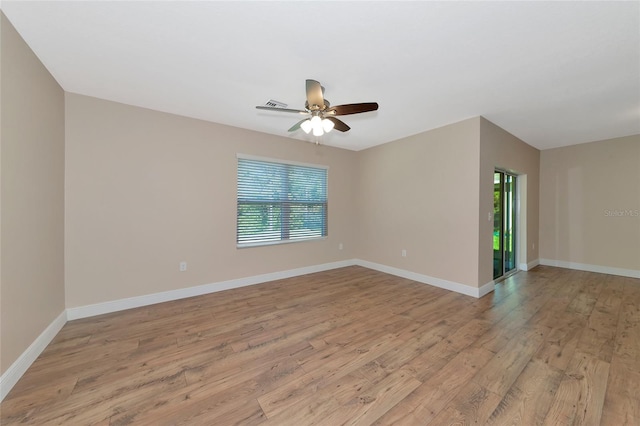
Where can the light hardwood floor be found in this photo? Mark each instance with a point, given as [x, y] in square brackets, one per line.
[351, 346]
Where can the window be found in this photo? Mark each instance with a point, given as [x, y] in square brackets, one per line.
[280, 202]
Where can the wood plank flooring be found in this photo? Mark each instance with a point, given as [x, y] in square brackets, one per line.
[351, 346]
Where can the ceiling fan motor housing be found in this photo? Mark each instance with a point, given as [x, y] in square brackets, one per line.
[314, 107]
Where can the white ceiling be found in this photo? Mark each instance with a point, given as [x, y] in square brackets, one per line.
[551, 73]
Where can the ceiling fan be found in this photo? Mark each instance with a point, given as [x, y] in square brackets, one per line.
[321, 115]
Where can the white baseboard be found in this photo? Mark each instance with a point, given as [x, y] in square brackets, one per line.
[631, 273]
[426, 279]
[486, 288]
[167, 296]
[24, 361]
[529, 266]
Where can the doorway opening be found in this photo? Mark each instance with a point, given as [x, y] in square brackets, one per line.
[504, 224]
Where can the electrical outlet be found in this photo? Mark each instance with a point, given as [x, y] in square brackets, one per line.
[340, 246]
[404, 253]
[183, 266]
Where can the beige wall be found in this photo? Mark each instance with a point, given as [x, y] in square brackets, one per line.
[146, 190]
[431, 194]
[421, 194]
[499, 149]
[32, 197]
[582, 188]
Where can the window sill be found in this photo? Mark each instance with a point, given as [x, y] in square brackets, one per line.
[272, 243]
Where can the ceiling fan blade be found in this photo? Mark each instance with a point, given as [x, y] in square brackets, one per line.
[297, 125]
[353, 108]
[314, 95]
[339, 125]
[297, 111]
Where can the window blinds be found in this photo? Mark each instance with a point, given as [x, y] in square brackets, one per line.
[280, 202]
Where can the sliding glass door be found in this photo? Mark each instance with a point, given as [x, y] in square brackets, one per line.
[504, 223]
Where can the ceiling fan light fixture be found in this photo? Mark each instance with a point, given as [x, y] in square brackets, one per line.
[306, 126]
[316, 125]
[327, 125]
